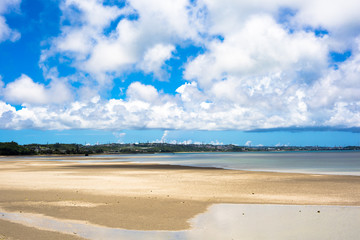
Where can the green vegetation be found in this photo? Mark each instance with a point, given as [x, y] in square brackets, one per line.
[12, 148]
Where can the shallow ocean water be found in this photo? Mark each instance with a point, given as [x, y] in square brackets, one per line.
[331, 162]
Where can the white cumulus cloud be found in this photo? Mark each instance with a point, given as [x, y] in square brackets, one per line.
[144, 43]
[154, 59]
[141, 92]
[25, 91]
[262, 64]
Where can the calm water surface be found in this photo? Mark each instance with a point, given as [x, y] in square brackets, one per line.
[332, 162]
[304, 162]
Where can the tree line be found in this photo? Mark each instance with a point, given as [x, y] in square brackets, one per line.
[13, 148]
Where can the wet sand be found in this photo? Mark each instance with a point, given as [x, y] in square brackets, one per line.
[150, 196]
[10, 231]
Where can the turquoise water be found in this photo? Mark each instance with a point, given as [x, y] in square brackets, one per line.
[347, 163]
[331, 162]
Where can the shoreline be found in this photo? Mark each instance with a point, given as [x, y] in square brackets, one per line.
[144, 196]
[127, 158]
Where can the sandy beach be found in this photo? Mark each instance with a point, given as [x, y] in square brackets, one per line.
[149, 196]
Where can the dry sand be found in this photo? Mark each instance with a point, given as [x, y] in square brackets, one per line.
[150, 196]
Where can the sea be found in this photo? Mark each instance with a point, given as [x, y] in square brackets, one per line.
[314, 162]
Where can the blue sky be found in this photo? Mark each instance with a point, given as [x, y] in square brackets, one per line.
[200, 71]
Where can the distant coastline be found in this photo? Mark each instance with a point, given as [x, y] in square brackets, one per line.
[13, 148]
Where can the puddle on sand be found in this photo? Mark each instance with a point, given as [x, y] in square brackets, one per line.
[225, 221]
[253, 221]
[81, 228]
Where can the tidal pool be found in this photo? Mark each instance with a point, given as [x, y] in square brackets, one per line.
[224, 221]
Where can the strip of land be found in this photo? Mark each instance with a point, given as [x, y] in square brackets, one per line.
[151, 196]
